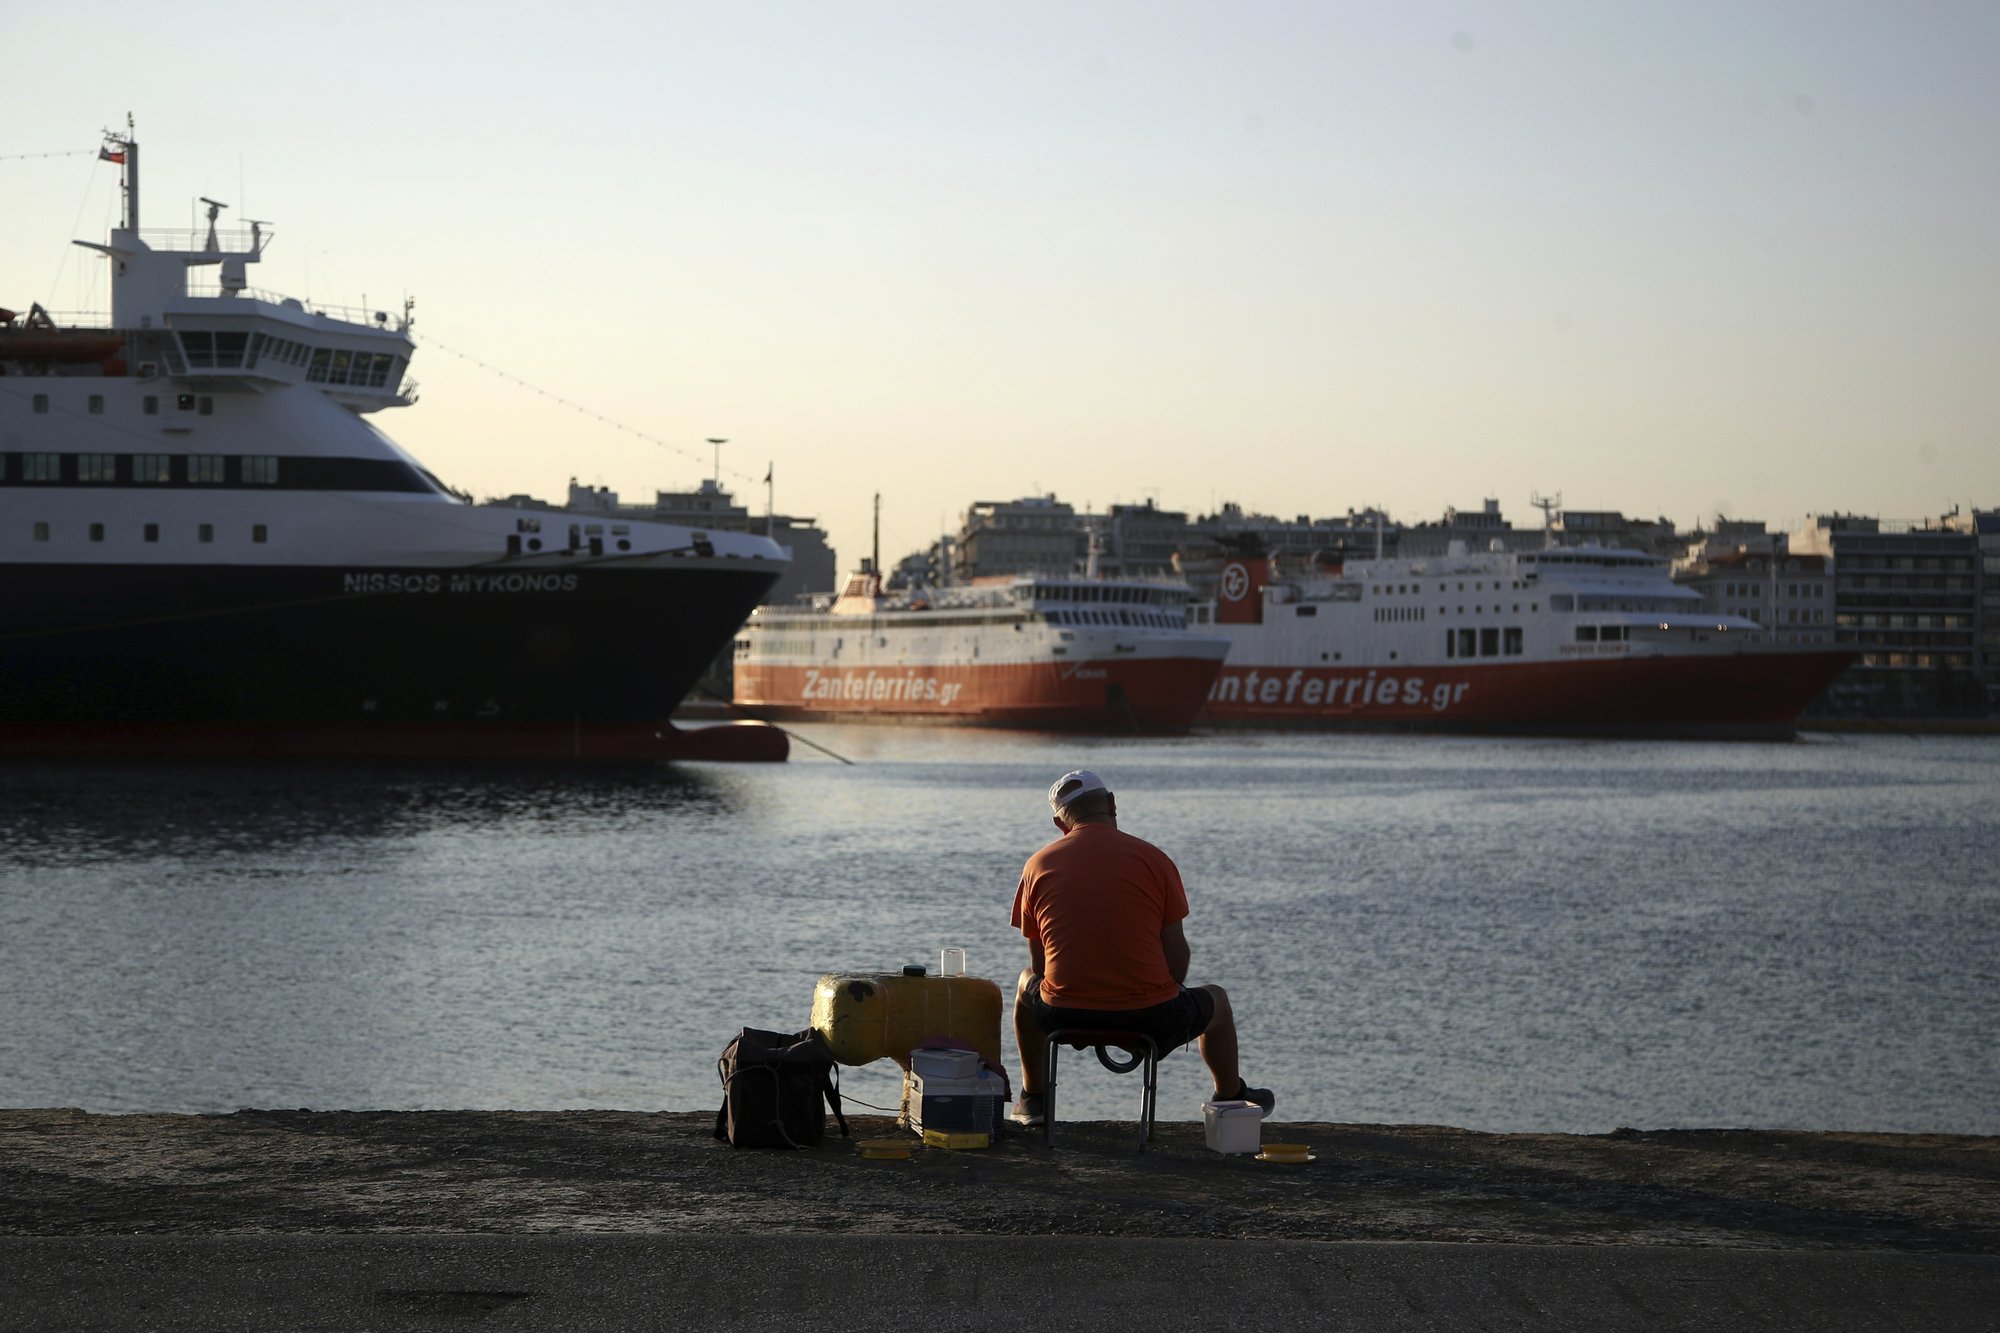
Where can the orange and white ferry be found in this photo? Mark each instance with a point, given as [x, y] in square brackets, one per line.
[1027, 650]
[1584, 640]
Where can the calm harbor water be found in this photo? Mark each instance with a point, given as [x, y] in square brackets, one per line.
[1495, 934]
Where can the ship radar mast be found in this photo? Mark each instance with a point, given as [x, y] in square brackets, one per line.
[215, 208]
[1548, 505]
[145, 280]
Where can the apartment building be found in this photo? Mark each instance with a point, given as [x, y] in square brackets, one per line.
[1907, 597]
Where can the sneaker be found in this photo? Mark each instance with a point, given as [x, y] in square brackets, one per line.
[1261, 1097]
[1029, 1111]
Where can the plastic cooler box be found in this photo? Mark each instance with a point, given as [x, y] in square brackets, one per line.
[971, 1105]
[1233, 1126]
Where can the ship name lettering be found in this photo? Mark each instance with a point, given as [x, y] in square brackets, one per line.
[371, 582]
[879, 687]
[375, 582]
[513, 583]
[1336, 690]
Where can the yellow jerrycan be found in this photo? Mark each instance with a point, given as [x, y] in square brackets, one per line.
[869, 1016]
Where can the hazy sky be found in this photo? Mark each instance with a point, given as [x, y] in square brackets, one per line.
[1675, 258]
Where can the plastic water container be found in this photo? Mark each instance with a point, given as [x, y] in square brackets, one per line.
[867, 1016]
[1233, 1126]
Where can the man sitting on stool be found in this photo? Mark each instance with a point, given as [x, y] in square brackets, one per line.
[1102, 911]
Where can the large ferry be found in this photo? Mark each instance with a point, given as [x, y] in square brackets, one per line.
[207, 550]
[1584, 640]
[1073, 652]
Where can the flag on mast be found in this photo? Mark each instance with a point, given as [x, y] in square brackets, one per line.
[104, 154]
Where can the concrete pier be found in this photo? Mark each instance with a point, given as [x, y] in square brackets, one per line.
[305, 1219]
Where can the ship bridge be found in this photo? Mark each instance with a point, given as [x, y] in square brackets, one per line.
[214, 329]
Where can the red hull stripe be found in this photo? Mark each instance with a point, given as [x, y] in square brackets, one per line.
[738, 741]
[1160, 694]
[1747, 690]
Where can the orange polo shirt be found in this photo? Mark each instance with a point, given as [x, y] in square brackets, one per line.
[1097, 900]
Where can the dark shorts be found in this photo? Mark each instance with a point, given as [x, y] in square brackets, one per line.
[1171, 1025]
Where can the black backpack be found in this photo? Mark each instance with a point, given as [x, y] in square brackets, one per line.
[773, 1084]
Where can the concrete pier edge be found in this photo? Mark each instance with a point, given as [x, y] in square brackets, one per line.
[994, 1282]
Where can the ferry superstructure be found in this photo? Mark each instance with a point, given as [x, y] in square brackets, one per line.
[207, 549]
[1052, 651]
[1583, 640]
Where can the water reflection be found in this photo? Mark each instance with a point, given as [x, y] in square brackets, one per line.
[1496, 934]
[75, 814]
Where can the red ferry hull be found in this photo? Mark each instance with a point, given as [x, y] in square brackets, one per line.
[1158, 695]
[1734, 696]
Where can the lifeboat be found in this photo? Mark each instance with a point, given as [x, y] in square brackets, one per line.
[38, 341]
[65, 347]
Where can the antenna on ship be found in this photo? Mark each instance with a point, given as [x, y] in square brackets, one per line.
[215, 208]
[875, 548]
[1548, 506]
[125, 152]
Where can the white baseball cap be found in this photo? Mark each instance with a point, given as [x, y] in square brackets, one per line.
[1071, 785]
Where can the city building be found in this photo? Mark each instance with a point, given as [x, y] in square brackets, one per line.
[1755, 574]
[1907, 598]
[1036, 535]
[1478, 529]
[1608, 527]
[812, 570]
[1986, 532]
[1141, 541]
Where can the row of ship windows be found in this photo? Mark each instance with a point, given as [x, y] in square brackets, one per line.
[324, 365]
[1156, 619]
[1090, 593]
[203, 532]
[1390, 589]
[1483, 642]
[200, 404]
[1565, 602]
[139, 469]
[1399, 614]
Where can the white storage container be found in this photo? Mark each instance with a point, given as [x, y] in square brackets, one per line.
[1234, 1126]
[958, 1104]
[944, 1063]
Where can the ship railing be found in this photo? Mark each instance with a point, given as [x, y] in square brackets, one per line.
[228, 240]
[68, 319]
[210, 285]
